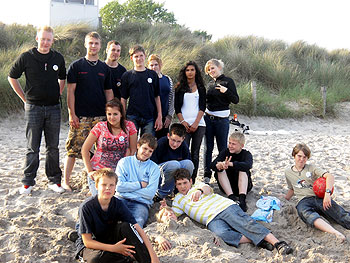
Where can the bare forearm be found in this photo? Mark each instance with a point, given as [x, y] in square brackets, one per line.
[17, 88]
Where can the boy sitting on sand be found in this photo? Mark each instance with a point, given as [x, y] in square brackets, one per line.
[107, 230]
[232, 170]
[300, 178]
[138, 179]
[171, 154]
[221, 215]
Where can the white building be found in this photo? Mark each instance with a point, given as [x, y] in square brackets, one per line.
[49, 12]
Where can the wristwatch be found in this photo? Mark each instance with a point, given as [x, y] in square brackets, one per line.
[328, 191]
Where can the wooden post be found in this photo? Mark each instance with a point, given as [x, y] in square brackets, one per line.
[253, 90]
[324, 97]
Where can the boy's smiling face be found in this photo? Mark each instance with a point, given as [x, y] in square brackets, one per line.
[144, 152]
[234, 146]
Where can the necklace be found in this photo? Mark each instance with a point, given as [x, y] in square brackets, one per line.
[299, 172]
[192, 85]
[92, 63]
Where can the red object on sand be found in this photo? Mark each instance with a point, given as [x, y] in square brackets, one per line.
[319, 187]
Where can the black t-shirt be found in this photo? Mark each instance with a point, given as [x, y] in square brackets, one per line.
[242, 161]
[91, 82]
[142, 87]
[163, 152]
[117, 79]
[42, 72]
[95, 221]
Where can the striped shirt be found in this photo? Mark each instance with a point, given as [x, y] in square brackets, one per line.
[205, 209]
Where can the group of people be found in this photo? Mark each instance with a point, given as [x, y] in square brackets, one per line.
[109, 109]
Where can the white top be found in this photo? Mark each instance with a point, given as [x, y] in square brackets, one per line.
[190, 108]
[220, 113]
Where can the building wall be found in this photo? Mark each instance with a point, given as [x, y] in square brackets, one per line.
[64, 13]
[47, 12]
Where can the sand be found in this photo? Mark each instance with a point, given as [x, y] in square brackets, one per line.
[34, 227]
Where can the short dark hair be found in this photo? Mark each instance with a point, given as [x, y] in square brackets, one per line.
[115, 42]
[108, 172]
[149, 139]
[177, 129]
[136, 48]
[182, 173]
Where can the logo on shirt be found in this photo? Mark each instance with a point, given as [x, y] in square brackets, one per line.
[303, 184]
[101, 74]
[55, 67]
[121, 138]
[119, 84]
[149, 80]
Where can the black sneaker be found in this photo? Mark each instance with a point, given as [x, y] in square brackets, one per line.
[157, 199]
[283, 248]
[243, 206]
[266, 245]
[72, 235]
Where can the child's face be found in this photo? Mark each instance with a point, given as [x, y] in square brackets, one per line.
[113, 116]
[144, 152]
[139, 59]
[183, 185]
[234, 146]
[175, 141]
[154, 65]
[106, 187]
[300, 159]
[167, 215]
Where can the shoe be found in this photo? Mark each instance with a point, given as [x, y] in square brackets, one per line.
[266, 245]
[56, 188]
[25, 190]
[206, 180]
[72, 235]
[283, 248]
[233, 197]
[157, 199]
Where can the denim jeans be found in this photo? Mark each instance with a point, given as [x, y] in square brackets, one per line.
[196, 138]
[138, 210]
[311, 208]
[218, 128]
[166, 179]
[146, 126]
[232, 223]
[41, 119]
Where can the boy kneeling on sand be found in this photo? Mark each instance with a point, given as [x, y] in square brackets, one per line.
[220, 214]
[300, 179]
[232, 170]
[107, 230]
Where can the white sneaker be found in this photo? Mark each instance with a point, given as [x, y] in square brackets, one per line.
[25, 191]
[56, 188]
[206, 180]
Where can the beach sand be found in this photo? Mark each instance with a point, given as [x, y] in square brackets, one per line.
[34, 227]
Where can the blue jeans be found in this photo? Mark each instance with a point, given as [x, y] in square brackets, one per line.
[166, 179]
[311, 208]
[218, 128]
[196, 138]
[232, 223]
[41, 119]
[138, 210]
[146, 126]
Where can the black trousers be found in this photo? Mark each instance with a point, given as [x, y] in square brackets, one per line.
[121, 231]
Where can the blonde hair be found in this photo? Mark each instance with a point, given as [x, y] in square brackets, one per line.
[108, 172]
[156, 58]
[238, 136]
[159, 215]
[45, 28]
[216, 62]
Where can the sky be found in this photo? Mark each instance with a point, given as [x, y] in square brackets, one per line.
[321, 22]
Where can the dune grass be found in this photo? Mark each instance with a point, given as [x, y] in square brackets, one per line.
[288, 77]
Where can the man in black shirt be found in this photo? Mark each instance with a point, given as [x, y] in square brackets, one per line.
[113, 54]
[45, 74]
